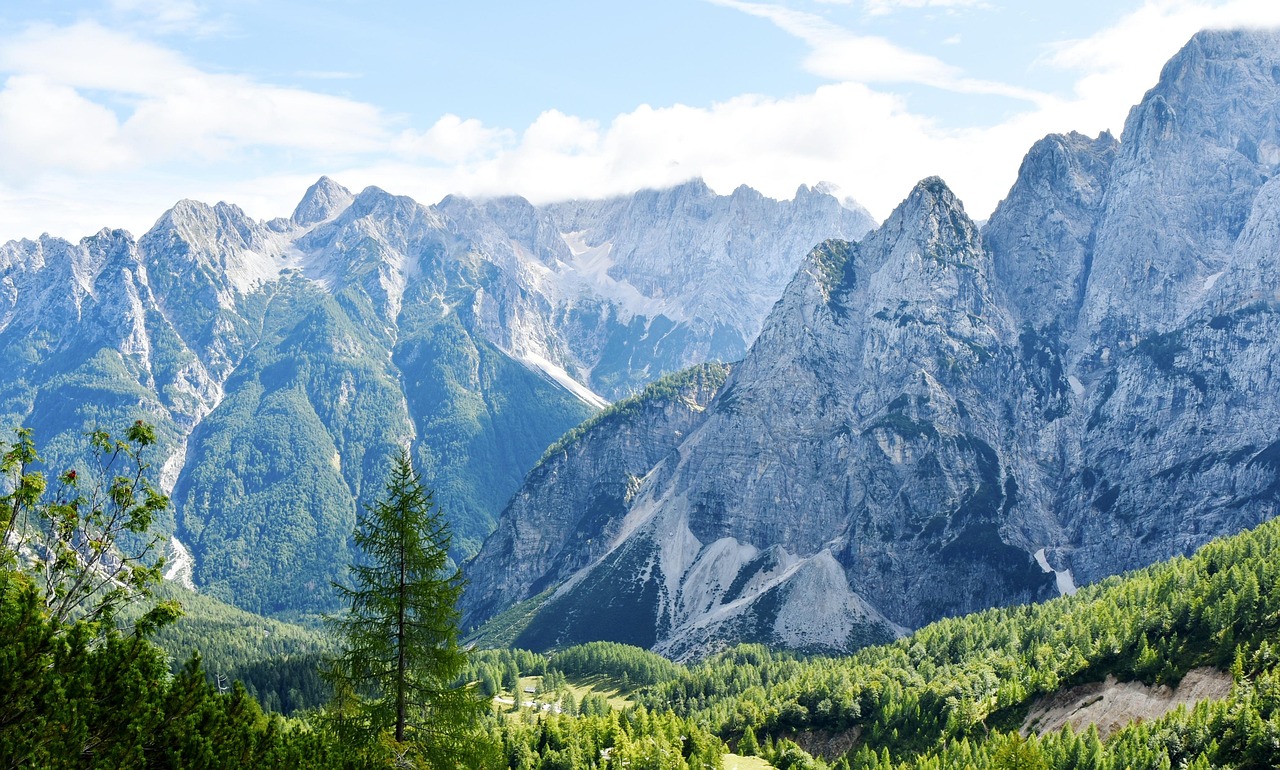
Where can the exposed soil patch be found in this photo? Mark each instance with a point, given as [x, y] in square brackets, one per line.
[827, 744]
[1111, 705]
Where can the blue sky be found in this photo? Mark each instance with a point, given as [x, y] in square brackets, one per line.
[111, 110]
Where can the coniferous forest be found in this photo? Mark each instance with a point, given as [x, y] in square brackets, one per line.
[97, 676]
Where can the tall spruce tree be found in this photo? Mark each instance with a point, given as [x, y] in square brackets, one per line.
[401, 661]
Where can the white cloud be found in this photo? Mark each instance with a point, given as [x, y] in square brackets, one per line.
[46, 125]
[76, 160]
[453, 140]
[841, 55]
[1119, 63]
[881, 7]
[154, 107]
[165, 16]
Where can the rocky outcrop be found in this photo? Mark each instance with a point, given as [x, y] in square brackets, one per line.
[1195, 152]
[650, 283]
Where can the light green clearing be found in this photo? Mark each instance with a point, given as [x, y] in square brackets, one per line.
[595, 684]
[735, 762]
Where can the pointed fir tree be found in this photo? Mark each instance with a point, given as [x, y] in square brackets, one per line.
[401, 661]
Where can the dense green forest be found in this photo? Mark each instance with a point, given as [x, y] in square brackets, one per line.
[97, 688]
[955, 693]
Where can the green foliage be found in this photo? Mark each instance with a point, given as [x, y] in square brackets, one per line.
[270, 497]
[74, 696]
[482, 418]
[280, 469]
[276, 662]
[89, 541]
[400, 658]
[614, 661]
[503, 629]
[637, 738]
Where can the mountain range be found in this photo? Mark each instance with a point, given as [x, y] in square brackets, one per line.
[942, 417]
[284, 362]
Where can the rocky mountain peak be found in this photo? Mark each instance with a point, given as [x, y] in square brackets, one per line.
[109, 245]
[322, 200]
[1193, 156]
[1041, 235]
[693, 188]
[509, 219]
[928, 234]
[208, 229]
[1215, 86]
[374, 200]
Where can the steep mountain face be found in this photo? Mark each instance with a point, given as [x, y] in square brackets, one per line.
[590, 474]
[284, 361]
[935, 420]
[1195, 152]
[845, 474]
[1041, 235]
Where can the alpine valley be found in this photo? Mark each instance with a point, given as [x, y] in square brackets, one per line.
[943, 417]
[919, 420]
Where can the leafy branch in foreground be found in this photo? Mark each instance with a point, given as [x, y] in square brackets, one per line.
[87, 541]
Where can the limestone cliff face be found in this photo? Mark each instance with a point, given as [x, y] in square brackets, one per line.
[1041, 236]
[1195, 152]
[851, 464]
[642, 285]
[935, 420]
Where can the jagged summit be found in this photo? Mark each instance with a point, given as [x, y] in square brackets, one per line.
[1193, 156]
[932, 201]
[322, 200]
[474, 332]
[1042, 233]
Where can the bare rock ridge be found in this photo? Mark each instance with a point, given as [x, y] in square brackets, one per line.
[322, 201]
[936, 420]
[283, 361]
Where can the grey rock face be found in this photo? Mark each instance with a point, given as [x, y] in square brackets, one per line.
[323, 200]
[850, 463]
[1195, 152]
[648, 284]
[935, 420]
[1180, 441]
[1041, 235]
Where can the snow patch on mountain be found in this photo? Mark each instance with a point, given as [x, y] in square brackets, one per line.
[590, 271]
[562, 378]
[181, 565]
[1064, 580]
